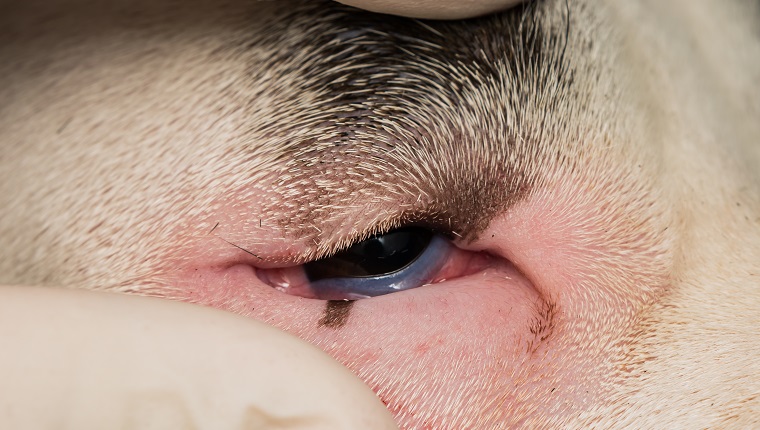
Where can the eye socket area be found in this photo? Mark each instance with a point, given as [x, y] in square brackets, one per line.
[400, 260]
[475, 310]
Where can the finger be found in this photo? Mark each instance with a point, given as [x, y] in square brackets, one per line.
[433, 9]
[86, 360]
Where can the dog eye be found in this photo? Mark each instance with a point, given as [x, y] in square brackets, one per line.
[395, 261]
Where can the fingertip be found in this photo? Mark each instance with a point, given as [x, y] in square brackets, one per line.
[86, 360]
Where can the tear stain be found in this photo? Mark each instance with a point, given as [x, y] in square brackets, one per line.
[336, 313]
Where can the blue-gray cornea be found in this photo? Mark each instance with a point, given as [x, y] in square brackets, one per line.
[415, 274]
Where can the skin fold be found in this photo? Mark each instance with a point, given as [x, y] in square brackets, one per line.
[595, 165]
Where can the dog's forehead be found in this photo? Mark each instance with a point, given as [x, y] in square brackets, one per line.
[462, 117]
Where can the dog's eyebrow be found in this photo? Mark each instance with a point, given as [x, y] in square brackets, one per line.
[408, 121]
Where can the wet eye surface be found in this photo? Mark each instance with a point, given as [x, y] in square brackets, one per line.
[379, 255]
[395, 261]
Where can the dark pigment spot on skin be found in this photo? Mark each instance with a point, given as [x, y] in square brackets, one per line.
[336, 313]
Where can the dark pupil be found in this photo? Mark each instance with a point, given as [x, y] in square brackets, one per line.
[375, 256]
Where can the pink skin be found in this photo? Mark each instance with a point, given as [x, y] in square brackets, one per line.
[529, 316]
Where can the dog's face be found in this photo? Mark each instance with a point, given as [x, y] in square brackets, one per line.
[589, 172]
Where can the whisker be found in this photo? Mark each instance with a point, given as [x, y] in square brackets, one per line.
[242, 249]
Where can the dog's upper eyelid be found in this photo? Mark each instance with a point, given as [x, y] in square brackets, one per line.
[390, 116]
